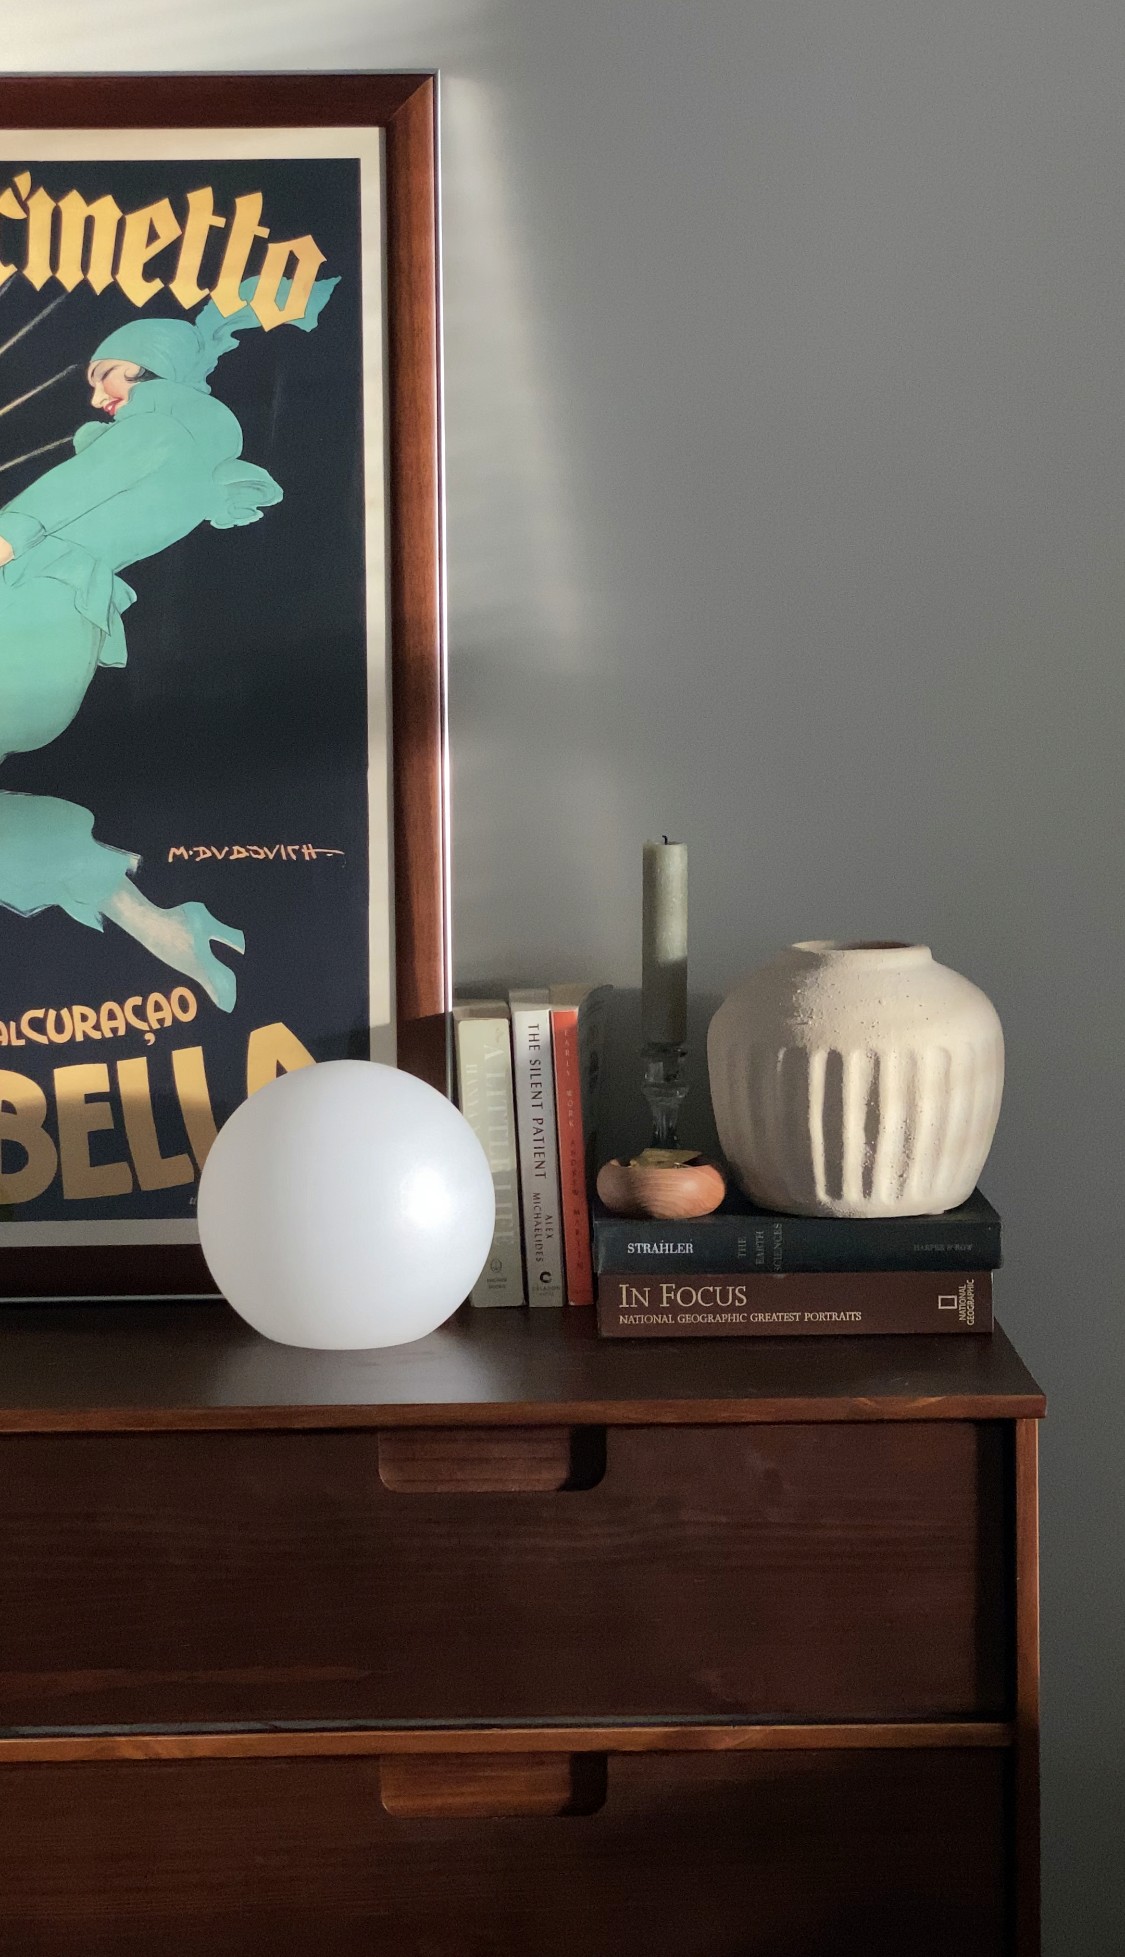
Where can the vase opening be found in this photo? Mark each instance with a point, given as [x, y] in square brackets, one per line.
[883, 952]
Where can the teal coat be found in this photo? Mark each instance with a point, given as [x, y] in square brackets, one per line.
[167, 463]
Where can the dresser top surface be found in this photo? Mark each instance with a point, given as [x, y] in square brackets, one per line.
[130, 1367]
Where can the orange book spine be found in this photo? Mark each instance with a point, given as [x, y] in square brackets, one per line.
[572, 1157]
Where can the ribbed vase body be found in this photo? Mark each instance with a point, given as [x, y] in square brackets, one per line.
[856, 1080]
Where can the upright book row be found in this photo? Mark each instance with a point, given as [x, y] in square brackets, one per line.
[528, 1079]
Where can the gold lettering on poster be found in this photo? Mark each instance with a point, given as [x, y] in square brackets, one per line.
[194, 1097]
[75, 242]
[273, 1050]
[274, 268]
[60, 1025]
[80, 1115]
[200, 221]
[75, 261]
[153, 1170]
[89, 1101]
[23, 1110]
[244, 228]
[40, 216]
[146, 232]
[11, 206]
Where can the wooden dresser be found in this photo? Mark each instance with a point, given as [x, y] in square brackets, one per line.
[513, 1643]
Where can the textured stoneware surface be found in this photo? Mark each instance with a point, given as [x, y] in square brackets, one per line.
[856, 1080]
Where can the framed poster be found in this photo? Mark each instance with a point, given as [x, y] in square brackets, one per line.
[222, 807]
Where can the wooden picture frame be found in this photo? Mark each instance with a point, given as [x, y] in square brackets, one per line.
[399, 112]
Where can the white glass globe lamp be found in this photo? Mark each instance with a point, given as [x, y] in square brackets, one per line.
[346, 1206]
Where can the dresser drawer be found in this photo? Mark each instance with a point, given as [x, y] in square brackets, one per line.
[803, 1572]
[766, 1855]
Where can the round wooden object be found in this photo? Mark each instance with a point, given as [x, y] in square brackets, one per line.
[636, 1189]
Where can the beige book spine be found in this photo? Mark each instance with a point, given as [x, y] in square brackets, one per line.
[537, 1133]
[484, 1079]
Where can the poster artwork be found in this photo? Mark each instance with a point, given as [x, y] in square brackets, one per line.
[193, 831]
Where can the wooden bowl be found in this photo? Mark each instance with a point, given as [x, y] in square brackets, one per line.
[639, 1189]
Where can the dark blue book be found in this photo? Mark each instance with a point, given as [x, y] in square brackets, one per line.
[740, 1237]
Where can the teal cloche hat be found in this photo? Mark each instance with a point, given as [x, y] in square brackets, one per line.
[186, 351]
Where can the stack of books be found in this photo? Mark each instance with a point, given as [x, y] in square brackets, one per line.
[529, 1074]
[744, 1272]
[528, 1082]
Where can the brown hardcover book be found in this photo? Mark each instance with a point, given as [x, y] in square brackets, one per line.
[798, 1304]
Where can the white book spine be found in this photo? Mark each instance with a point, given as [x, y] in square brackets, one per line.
[536, 1125]
[484, 1079]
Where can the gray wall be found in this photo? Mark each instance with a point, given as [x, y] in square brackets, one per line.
[786, 500]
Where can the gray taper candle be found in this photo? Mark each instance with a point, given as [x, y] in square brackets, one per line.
[664, 945]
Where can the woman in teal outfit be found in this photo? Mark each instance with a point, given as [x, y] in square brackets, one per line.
[167, 460]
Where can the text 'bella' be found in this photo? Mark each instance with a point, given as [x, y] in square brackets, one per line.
[39, 1142]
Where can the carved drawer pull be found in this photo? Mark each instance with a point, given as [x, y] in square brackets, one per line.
[487, 1786]
[491, 1460]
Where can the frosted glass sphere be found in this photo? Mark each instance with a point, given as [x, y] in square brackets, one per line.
[346, 1206]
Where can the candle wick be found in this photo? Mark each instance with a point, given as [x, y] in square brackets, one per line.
[666, 839]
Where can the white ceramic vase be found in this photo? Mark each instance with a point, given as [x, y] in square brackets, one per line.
[856, 1080]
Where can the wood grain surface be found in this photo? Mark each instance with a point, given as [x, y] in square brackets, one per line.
[1027, 1688]
[804, 1572]
[204, 101]
[369, 1742]
[423, 990]
[490, 1786]
[689, 1855]
[490, 1460]
[763, 1624]
[133, 1368]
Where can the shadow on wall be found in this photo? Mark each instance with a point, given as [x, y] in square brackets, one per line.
[624, 1124]
[515, 528]
[558, 779]
[531, 725]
